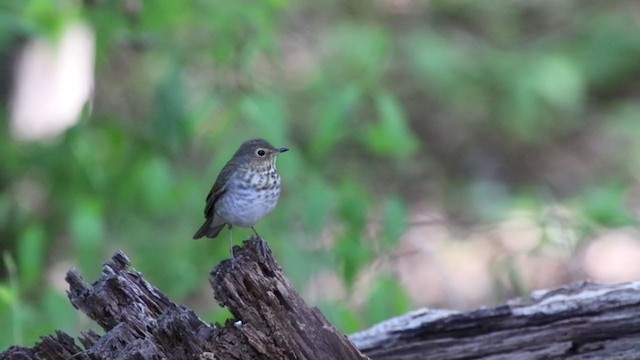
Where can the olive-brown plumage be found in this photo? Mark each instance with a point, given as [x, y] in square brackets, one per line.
[245, 191]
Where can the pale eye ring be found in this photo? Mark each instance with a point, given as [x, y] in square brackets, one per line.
[261, 152]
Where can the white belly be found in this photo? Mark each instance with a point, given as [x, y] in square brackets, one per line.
[245, 207]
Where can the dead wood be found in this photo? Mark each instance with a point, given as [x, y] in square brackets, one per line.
[579, 321]
[271, 321]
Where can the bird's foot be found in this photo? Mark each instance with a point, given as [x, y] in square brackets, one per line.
[235, 264]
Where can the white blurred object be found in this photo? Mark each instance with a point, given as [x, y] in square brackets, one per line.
[613, 257]
[53, 82]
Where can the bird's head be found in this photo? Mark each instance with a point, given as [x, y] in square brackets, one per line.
[258, 153]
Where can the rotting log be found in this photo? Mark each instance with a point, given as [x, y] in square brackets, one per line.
[271, 321]
[579, 321]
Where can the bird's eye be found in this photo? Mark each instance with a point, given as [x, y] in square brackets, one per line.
[261, 152]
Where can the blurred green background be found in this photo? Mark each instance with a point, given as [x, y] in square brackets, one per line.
[444, 153]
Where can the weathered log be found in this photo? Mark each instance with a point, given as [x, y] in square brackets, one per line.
[271, 320]
[580, 321]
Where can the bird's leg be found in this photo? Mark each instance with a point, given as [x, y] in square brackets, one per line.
[234, 261]
[231, 242]
[255, 232]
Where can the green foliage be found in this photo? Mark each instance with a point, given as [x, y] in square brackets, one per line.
[31, 255]
[394, 221]
[341, 316]
[11, 303]
[170, 111]
[87, 228]
[48, 17]
[353, 208]
[332, 116]
[472, 105]
[358, 54]
[390, 136]
[387, 299]
[605, 206]
[318, 200]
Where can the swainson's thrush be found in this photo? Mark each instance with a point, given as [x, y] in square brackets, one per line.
[246, 190]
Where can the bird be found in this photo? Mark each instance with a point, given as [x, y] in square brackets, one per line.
[246, 190]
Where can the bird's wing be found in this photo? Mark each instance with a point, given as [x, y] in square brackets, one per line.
[218, 188]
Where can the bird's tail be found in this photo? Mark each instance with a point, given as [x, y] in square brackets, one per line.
[208, 229]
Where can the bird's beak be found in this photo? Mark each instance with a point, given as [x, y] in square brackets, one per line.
[281, 150]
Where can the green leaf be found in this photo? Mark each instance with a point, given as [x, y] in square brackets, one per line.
[394, 221]
[342, 317]
[387, 299]
[165, 14]
[542, 100]
[31, 255]
[559, 83]
[331, 124]
[7, 296]
[49, 18]
[606, 206]
[353, 255]
[354, 202]
[441, 64]
[17, 308]
[390, 135]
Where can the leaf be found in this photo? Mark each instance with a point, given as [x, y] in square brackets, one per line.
[7, 296]
[31, 255]
[354, 202]
[344, 250]
[353, 255]
[559, 83]
[434, 59]
[387, 299]
[47, 18]
[394, 221]
[342, 317]
[390, 135]
[332, 124]
[606, 206]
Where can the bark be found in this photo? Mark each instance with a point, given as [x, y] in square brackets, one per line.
[142, 323]
[271, 321]
[579, 321]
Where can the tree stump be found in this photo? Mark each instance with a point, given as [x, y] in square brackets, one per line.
[271, 320]
[580, 321]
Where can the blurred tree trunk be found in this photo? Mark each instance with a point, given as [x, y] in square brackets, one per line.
[583, 321]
